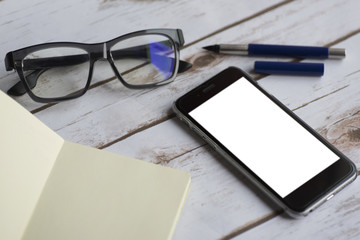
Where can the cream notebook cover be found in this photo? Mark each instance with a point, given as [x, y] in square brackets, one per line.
[54, 189]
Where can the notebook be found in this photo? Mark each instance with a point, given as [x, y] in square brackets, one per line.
[54, 189]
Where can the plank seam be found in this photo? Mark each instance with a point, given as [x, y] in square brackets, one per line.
[137, 130]
[185, 46]
[239, 22]
[318, 98]
[251, 225]
[257, 77]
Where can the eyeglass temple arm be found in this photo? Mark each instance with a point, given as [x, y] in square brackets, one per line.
[63, 61]
[9, 62]
[18, 89]
[42, 64]
[52, 62]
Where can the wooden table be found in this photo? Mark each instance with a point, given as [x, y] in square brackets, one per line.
[139, 123]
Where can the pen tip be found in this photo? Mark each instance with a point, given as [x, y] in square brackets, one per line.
[213, 48]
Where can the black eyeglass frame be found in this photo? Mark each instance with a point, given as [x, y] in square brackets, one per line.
[14, 60]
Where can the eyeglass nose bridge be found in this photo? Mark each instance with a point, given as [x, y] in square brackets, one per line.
[100, 53]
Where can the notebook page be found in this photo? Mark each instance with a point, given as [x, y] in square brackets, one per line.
[27, 155]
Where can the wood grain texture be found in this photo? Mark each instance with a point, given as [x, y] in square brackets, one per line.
[333, 105]
[216, 189]
[96, 124]
[337, 219]
[221, 204]
[167, 154]
[27, 23]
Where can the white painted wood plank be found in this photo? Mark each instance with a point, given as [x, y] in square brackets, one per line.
[336, 117]
[218, 200]
[348, 196]
[298, 91]
[32, 36]
[95, 20]
[164, 143]
[332, 106]
[24, 23]
[160, 145]
[343, 103]
[336, 219]
[117, 111]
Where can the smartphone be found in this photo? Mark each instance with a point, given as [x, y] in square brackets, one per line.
[266, 141]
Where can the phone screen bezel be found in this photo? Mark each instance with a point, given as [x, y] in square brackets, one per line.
[304, 196]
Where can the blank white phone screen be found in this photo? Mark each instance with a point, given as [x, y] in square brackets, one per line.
[264, 137]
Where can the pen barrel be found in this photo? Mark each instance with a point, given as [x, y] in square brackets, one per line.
[267, 50]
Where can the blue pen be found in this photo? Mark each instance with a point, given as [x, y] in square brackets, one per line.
[269, 50]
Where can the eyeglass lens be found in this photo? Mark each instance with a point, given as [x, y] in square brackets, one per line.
[63, 71]
[55, 72]
[151, 59]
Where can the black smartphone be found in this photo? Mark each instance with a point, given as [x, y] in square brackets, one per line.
[266, 141]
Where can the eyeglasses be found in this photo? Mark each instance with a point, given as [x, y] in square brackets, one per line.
[58, 71]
